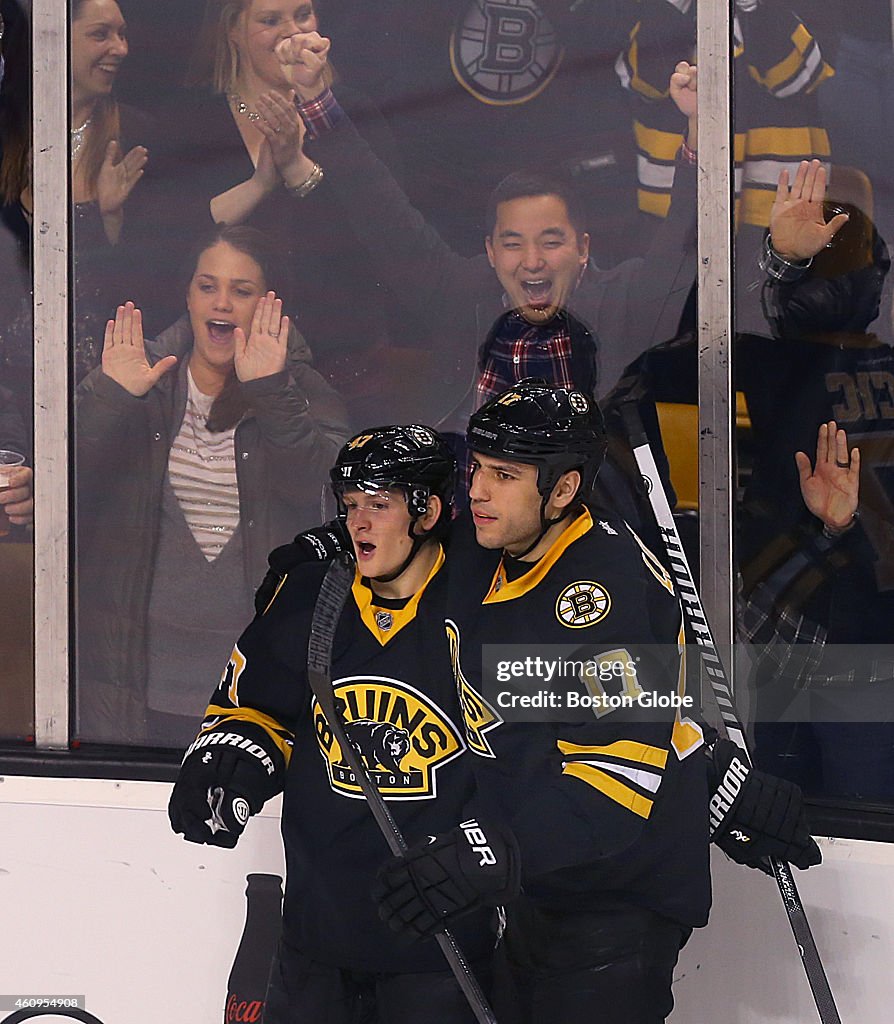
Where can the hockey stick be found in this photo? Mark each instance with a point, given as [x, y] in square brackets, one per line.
[722, 690]
[331, 599]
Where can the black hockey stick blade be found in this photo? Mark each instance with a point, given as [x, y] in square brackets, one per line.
[331, 599]
[723, 694]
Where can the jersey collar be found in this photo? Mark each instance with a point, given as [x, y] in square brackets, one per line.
[372, 614]
[502, 589]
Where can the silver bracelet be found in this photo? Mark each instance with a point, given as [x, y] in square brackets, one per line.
[308, 185]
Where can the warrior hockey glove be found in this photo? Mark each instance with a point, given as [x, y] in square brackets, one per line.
[755, 816]
[321, 544]
[217, 790]
[446, 876]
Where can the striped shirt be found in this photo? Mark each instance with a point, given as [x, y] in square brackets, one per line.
[202, 471]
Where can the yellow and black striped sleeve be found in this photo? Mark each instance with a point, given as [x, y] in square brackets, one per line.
[263, 690]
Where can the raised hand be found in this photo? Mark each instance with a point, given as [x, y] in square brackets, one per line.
[118, 175]
[831, 489]
[266, 173]
[124, 353]
[283, 132]
[798, 227]
[304, 57]
[263, 353]
[684, 89]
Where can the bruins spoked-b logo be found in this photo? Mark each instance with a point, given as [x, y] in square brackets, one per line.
[504, 52]
[403, 737]
[583, 603]
[578, 402]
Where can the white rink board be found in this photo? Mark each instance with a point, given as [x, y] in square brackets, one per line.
[744, 968]
[99, 898]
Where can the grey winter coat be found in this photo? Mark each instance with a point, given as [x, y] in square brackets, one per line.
[285, 446]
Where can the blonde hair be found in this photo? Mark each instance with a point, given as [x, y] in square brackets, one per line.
[215, 60]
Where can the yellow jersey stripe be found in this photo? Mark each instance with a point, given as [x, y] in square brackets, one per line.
[275, 593]
[612, 788]
[629, 750]
[660, 145]
[789, 66]
[280, 735]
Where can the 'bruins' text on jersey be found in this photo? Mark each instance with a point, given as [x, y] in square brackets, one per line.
[394, 688]
[612, 806]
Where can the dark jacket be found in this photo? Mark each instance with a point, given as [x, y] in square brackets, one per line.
[325, 282]
[284, 445]
[13, 435]
[456, 299]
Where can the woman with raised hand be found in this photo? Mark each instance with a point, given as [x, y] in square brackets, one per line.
[108, 157]
[232, 155]
[196, 454]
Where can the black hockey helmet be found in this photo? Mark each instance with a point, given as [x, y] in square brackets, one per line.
[550, 427]
[413, 458]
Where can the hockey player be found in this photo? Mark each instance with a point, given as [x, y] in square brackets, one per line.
[606, 811]
[393, 685]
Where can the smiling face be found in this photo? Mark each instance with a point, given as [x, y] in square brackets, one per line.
[98, 47]
[225, 288]
[261, 25]
[538, 255]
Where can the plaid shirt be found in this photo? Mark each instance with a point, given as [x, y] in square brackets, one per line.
[518, 349]
[787, 643]
[321, 114]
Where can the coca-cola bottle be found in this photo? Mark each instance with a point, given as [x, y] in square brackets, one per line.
[247, 984]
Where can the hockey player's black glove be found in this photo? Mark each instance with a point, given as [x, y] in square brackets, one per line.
[755, 816]
[446, 876]
[320, 544]
[218, 788]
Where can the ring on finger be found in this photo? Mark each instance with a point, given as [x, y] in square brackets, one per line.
[842, 465]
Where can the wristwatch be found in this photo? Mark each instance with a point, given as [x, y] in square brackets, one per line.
[778, 267]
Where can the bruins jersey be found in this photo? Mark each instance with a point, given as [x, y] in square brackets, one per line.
[611, 803]
[394, 688]
[777, 67]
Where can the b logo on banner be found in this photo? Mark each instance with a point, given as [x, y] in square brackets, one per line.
[504, 52]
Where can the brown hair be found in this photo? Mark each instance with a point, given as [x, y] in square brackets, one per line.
[215, 59]
[105, 125]
[230, 406]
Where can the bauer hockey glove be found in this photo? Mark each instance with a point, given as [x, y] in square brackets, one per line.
[446, 876]
[320, 544]
[755, 816]
[219, 787]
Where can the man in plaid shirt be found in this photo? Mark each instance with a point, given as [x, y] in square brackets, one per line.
[535, 272]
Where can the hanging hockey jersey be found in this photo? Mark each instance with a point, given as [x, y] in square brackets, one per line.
[613, 804]
[394, 687]
[777, 66]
